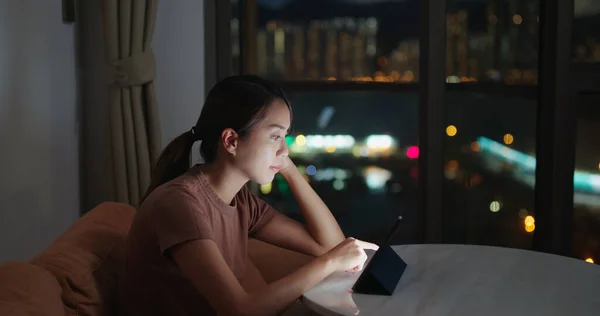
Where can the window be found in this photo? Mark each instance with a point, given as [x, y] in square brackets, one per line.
[490, 138]
[378, 41]
[351, 69]
[489, 169]
[586, 34]
[586, 199]
[586, 178]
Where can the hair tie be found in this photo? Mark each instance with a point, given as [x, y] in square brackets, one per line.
[195, 135]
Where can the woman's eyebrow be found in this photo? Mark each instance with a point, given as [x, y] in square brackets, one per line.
[279, 126]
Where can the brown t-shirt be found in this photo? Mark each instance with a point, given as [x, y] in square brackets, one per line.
[184, 209]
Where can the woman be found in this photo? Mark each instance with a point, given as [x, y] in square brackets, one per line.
[186, 249]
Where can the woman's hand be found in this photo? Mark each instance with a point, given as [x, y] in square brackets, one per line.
[287, 167]
[349, 255]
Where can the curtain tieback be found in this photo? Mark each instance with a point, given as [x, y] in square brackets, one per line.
[133, 70]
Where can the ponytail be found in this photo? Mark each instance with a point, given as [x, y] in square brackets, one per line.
[173, 161]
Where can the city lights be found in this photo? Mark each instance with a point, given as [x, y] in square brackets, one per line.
[266, 188]
[371, 146]
[379, 142]
[451, 130]
[495, 206]
[376, 177]
[508, 139]
[517, 19]
[582, 181]
[530, 228]
[529, 220]
[339, 184]
[325, 141]
[341, 48]
[301, 140]
[412, 152]
[529, 223]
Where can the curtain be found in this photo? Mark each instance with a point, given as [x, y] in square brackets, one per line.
[128, 26]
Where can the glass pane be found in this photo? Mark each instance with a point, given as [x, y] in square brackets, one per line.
[359, 152]
[492, 40]
[489, 169]
[490, 139]
[586, 31]
[586, 229]
[294, 40]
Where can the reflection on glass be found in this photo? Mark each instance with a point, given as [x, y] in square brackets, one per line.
[335, 293]
[586, 199]
[586, 31]
[357, 150]
[489, 170]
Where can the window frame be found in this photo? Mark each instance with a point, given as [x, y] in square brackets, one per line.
[556, 125]
[586, 77]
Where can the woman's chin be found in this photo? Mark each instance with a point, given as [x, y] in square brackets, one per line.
[266, 179]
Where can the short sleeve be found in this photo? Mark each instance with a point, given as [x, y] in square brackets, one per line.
[178, 218]
[259, 212]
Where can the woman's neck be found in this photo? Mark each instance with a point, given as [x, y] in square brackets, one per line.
[223, 180]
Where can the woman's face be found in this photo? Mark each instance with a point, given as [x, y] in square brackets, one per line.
[262, 154]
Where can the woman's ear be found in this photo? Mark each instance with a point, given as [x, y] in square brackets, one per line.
[229, 139]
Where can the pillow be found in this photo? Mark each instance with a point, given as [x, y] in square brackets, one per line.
[26, 289]
[85, 257]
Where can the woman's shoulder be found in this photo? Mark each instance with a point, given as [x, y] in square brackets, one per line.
[245, 196]
[184, 188]
[178, 188]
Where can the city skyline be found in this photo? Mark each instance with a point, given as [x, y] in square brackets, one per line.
[492, 40]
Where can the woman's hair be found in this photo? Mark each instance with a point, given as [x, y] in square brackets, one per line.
[236, 102]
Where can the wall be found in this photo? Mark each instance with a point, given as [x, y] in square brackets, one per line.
[39, 187]
[179, 48]
[39, 164]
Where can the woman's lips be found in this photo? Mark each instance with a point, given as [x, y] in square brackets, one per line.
[275, 168]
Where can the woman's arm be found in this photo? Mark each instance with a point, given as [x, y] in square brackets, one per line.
[201, 261]
[321, 224]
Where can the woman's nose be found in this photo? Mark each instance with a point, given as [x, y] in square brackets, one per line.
[283, 150]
